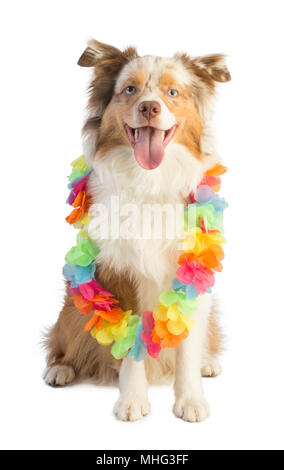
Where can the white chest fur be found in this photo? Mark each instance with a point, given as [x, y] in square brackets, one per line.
[118, 180]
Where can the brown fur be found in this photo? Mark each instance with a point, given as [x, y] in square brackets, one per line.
[112, 133]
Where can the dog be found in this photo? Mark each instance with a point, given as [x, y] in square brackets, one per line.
[148, 137]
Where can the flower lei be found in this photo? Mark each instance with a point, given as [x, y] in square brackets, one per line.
[171, 321]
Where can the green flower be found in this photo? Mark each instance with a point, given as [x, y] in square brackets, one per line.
[122, 346]
[83, 253]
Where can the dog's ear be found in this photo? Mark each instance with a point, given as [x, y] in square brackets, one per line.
[211, 67]
[207, 69]
[107, 62]
[88, 58]
[97, 53]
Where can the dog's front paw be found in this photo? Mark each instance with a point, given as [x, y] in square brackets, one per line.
[59, 375]
[190, 409]
[132, 407]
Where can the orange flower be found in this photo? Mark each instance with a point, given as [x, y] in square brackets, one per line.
[171, 341]
[85, 307]
[81, 206]
[217, 170]
[211, 177]
[95, 321]
[209, 258]
[115, 315]
[162, 334]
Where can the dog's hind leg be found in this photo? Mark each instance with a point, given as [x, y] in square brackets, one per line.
[214, 344]
[211, 367]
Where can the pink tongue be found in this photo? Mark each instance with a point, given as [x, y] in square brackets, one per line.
[148, 149]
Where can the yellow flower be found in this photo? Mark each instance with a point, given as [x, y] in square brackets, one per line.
[80, 163]
[112, 332]
[160, 313]
[196, 241]
[179, 326]
[177, 323]
[81, 224]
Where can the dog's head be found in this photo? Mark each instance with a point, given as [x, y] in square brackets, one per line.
[147, 103]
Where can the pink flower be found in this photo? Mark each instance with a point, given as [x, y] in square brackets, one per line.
[103, 303]
[93, 292]
[77, 186]
[90, 289]
[201, 276]
[153, 349]
[148, 321]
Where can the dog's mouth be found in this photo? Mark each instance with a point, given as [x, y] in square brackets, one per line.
[149, 144]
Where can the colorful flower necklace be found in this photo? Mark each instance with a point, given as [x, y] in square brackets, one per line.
[171, 321]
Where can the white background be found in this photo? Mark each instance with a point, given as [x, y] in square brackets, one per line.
[42, 97]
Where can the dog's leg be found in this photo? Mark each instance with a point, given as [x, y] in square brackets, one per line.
[59, 375]
[190, 403]
[211, 367]
[214, 345]
[133, 402]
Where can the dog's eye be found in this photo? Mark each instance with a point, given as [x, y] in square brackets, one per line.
[173, 92]
[130, 90]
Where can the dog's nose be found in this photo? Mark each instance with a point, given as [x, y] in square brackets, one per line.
[149, 109]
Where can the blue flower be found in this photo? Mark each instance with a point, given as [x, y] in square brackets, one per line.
[189, 290]
[205, 195]
[139, 348]
[79, 274]
[219, 203]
